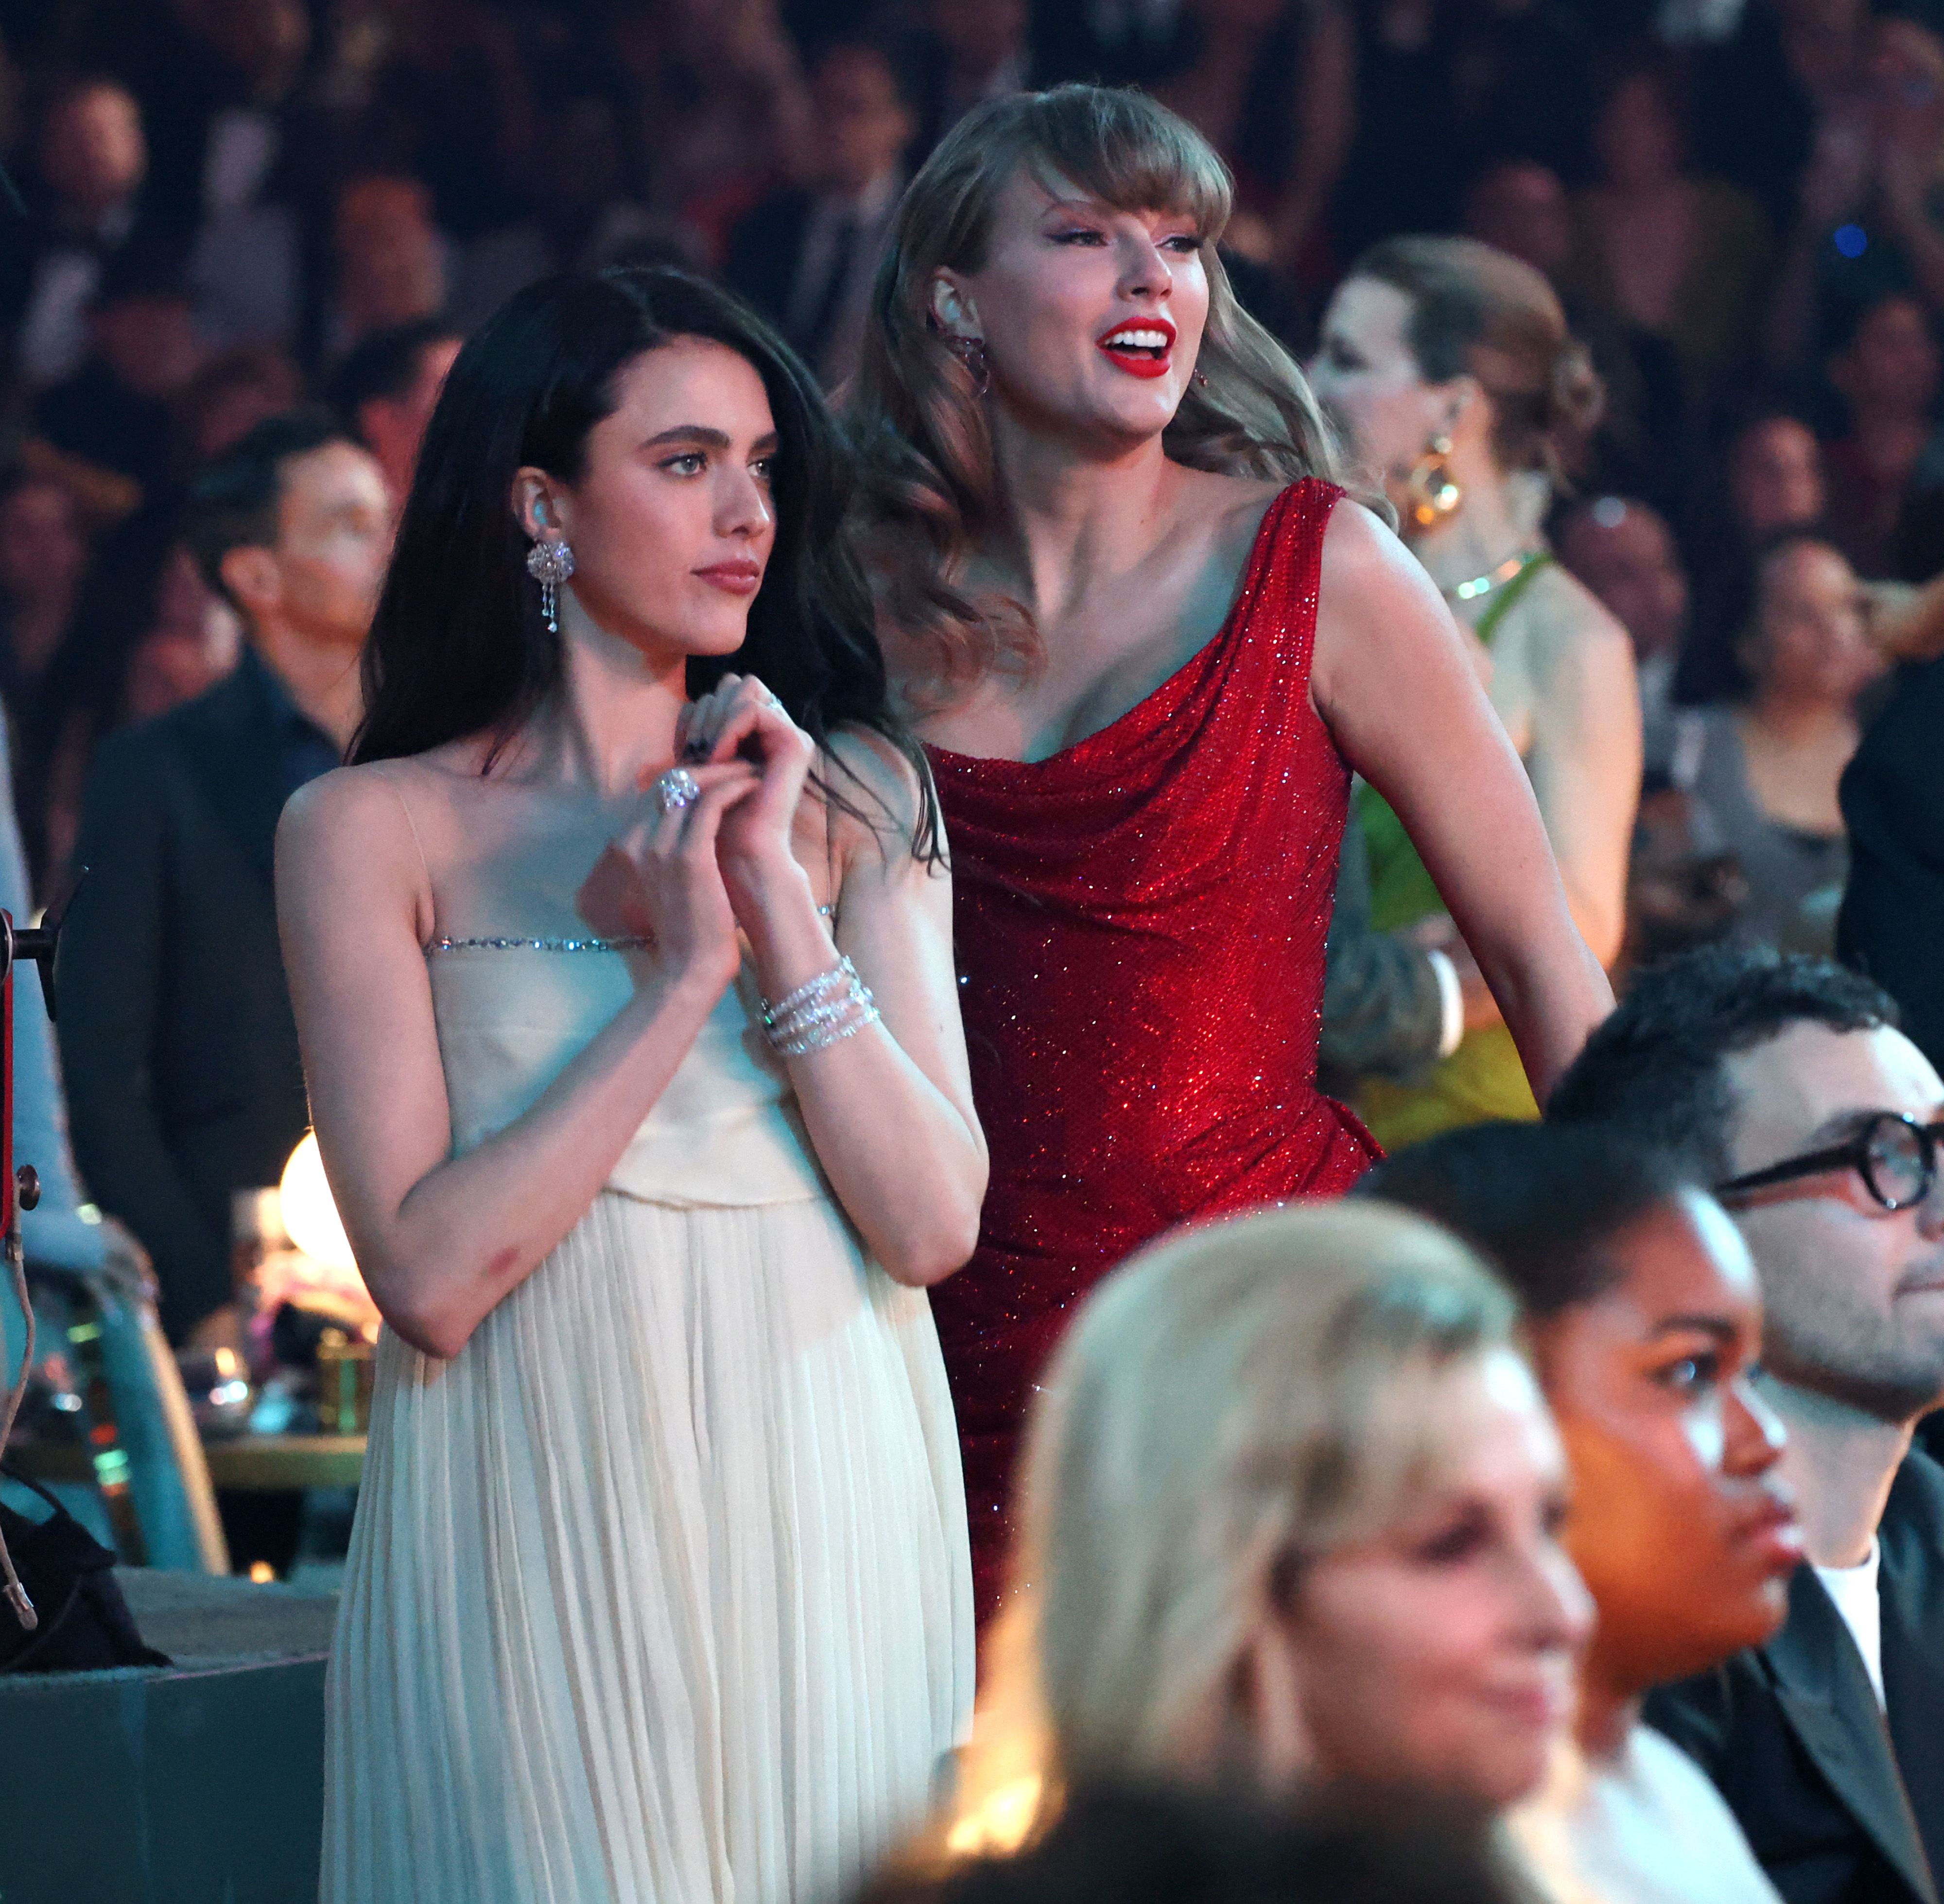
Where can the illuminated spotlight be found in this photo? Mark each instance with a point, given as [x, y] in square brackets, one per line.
[310, 1215]
[1852, 241]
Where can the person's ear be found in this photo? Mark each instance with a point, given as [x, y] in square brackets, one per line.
[537, 503]
[251, 574]
[1458, 409]
[952, 308]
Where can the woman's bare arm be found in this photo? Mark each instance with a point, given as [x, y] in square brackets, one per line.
[1394, 681]
[1584, 758]
[440, 1240]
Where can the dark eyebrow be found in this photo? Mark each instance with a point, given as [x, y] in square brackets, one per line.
[766, 445]
[710, 439]
[1719, 1326]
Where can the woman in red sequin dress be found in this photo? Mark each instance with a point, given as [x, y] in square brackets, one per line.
[1148, 641]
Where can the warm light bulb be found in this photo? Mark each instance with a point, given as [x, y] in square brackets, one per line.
[310, 1214]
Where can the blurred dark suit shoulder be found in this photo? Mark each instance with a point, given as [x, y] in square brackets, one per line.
[1840, 1805]
[177, 1039]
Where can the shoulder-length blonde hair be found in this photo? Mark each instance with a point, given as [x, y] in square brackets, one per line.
[1243, 1399]
[931, 494]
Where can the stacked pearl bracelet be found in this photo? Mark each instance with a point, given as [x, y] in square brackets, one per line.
[831, 1007]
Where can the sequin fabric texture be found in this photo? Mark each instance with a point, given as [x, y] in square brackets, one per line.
[1140, 923]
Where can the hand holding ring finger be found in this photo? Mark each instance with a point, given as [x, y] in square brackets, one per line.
[675, 789]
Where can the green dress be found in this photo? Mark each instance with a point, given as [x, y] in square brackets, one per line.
[1483, 1080]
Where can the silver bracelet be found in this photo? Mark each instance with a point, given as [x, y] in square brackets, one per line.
[834, 1005]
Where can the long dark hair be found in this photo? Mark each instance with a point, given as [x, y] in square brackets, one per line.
[459, 646]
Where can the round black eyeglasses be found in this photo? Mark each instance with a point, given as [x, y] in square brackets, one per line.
[1895, 1156]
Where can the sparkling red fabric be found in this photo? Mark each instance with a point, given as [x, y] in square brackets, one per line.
[1140, 922]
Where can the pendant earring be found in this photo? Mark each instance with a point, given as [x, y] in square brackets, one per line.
[1433, 491]
[971, 353]
[550, 564]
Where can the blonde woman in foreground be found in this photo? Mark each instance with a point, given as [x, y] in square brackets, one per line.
[1289, 1523]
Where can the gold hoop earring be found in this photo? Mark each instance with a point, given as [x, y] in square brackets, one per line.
[1433, 492]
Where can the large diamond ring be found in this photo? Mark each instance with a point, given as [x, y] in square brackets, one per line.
[676, 789]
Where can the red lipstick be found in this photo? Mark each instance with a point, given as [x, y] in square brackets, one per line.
[1143, 346]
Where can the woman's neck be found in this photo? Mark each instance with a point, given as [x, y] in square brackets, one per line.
[1607, 1715]
[1799, 720]
[610, 728]
[1485, 530]
[1072, 518]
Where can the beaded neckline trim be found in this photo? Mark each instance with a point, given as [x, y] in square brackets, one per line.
[557, 945]
[538, 945]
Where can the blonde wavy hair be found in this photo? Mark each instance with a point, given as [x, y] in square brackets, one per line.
[931, 493]
[1234, 1404]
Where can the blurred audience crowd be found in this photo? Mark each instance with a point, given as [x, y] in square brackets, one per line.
[232, 206]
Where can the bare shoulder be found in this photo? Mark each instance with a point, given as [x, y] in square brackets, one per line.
[351, 818]
[1361, 554]
[865, 770]
[1568, 629]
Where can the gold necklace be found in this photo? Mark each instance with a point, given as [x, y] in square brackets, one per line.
[1512, 567]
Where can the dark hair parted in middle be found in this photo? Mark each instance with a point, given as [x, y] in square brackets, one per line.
[1654, 1069]
[459, 645]
[1478, 312]
[1539, 1202]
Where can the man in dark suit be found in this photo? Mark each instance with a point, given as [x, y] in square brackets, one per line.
[1892, 924]
[1818, 1124]
[806, 258]
[177, 1036]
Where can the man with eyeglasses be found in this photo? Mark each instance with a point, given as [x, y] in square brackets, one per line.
[1819, 1124]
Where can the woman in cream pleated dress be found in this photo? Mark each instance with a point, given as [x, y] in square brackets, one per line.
[635, 1055]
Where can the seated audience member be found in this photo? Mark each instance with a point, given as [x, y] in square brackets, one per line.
[1760, 776]
[1288, 1507]
[84, 197]
[1886, 371]
[43, 558]
[176, 1031]
[229, 397]
[1641, 1308]
[391, 262]
[116, 414]
[1818, 1121]
[1659, 251]
[1152, 1844]
[961, 53]
[1626, 553]
[806, 258]
[385, 391]
[1892, 922]
[1772, 481]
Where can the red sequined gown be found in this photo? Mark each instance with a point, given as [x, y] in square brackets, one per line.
[1140, 922]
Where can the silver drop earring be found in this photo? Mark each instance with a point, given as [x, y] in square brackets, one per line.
[550, 564]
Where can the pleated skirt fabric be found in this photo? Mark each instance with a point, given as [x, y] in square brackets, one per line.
[658, 1591]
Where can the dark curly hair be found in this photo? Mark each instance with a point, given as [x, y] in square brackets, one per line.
[1655, 1069]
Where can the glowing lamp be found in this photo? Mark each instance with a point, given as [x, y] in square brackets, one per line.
[310, 1212]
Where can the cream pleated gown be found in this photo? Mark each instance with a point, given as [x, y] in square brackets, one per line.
[658, 1591]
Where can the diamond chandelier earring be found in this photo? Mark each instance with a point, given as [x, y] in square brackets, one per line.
[550, 564]
[1431, 489]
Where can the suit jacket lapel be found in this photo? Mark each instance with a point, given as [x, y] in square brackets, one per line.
[1826, 1696]
[1911, 1590]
